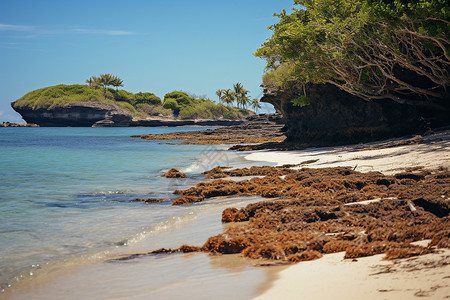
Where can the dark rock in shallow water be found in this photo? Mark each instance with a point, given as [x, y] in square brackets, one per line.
[174, 173]
[83, 114]
[150, 200]
[260, 128]
[9, 124]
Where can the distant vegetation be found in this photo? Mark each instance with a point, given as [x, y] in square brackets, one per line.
[141, 105]
[237, 95]
[186, 106]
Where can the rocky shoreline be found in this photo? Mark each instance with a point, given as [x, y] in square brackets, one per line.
[310, 212]
[263, 128]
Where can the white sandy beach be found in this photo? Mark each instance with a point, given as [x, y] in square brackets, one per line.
[332, 277]
[433, 153]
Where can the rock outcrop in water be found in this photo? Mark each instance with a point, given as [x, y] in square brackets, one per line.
[83, 114]
[335, 117]
[9, 124]
[81, 106]
[262, 128]
[87, 114]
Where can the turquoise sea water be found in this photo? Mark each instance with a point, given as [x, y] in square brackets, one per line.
[68, 192]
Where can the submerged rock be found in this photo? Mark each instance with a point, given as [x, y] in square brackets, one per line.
[149, 200]
[175, 173]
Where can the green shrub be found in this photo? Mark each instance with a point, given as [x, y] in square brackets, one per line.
[148, 98]
[153, 110]
[176, 95]
[206, 109]
[171, 104]
[182, 98]
[159, 109]
[127, 106]
[59, 95]
[122, 95]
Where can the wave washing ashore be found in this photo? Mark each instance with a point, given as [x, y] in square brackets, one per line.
[116, 261]
[67, 203]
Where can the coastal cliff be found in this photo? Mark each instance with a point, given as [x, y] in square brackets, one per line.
[333, 117]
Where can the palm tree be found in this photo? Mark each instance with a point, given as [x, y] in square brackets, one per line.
[228, 96]
[116, 82]
[244, 99]
[104, 80]
[241, 95]
[238, 91]
[255, 104]
[219, 93]
[91, 81]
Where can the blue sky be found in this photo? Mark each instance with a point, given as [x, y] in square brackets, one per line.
[197, 46]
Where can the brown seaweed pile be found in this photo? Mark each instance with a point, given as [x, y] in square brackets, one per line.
[317, 212]
[222, 172]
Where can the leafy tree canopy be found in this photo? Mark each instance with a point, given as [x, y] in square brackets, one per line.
[148, 98]
[182, 98]
[374, 49]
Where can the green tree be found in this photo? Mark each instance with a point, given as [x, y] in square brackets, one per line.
[228, 96]
[148, 98]
[219, 94]
[182, 98]
[91, 81]
[116, 82]
[240, 94]
[374, 49]
[104, 80]
[255, 104]
[245, 100]
[172, 104]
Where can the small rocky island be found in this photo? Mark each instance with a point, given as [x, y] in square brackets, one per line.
[89, 105]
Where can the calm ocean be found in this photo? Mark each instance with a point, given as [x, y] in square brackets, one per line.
[66, 195]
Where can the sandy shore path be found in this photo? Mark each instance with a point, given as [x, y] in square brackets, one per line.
[332, 277]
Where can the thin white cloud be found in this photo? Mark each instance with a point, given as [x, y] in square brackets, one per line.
[10, 27]
[10, 32]
[103, 32]
[1, 113]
